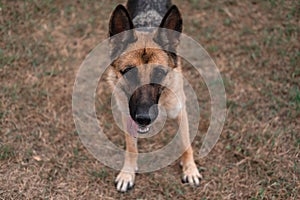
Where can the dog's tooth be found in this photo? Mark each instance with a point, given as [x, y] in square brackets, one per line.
[143, 129]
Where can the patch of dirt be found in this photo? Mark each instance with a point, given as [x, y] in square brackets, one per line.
[255, 44]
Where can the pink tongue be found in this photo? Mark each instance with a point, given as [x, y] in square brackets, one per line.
[132, 127]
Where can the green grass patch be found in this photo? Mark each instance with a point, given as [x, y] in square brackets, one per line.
[6, 152]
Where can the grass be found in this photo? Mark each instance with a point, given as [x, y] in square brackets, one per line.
[256, 47]
[6, 152]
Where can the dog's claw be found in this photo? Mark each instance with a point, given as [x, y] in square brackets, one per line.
[124, 181]
[191, 175]
[184, 179]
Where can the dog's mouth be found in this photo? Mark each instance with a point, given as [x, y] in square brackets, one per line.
[143, 129]
[133, 128]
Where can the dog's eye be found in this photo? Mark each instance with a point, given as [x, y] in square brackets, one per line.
[130, 73]
[160, 72]
[158, 75]
[127, 69]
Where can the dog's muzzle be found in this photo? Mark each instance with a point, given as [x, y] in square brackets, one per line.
[143, 107]
[145, 116]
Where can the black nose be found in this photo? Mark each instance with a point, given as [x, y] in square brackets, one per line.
[143, 119]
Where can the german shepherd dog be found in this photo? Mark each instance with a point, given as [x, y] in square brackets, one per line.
[139, 66]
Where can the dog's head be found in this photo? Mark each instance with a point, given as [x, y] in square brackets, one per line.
[142, 64]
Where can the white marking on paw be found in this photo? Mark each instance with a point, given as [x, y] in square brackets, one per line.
[191, 175]
[125, 181]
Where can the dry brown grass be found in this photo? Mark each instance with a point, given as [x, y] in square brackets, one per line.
[254, 43]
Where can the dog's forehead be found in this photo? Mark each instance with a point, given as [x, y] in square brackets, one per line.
[143, 56]
[144, 51]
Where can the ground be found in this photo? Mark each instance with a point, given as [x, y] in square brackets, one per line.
[255, 45]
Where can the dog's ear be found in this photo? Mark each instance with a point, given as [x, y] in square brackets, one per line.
[120, 21]
[172, 21]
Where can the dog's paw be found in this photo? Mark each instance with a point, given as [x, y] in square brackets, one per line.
[191, 175]
[125, 181]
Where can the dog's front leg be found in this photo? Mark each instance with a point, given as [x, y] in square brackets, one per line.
[191, 174]
[126, 177]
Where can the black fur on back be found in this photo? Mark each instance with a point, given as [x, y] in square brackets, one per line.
[147, 13]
